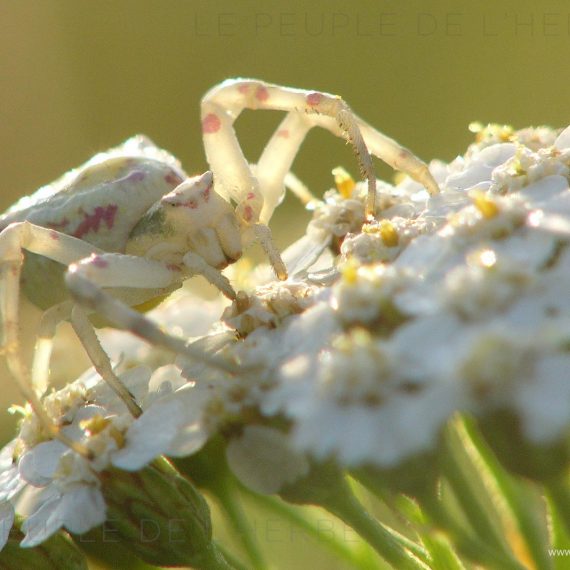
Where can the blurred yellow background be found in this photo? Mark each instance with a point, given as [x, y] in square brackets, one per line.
[78, 76]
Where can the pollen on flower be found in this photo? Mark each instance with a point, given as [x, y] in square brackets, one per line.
[94, 425]
[389, 234]
[349, 273]
[486, 205]
[344, 182]
[492, 133]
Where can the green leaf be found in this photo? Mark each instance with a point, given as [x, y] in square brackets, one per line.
[520, 506]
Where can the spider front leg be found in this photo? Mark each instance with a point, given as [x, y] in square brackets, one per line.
[220, 108]
[387, 150]
[223, 104]
[87, 279]
[63, 248]
[277, 157]
[68, 311]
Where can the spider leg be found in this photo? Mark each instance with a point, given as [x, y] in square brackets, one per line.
[51, 318]
[277, 158]
[220, 108]
[222, 105]
[88, 338]
[397, 156]
[387, 150]
[198, 266]
[86, 334]
[13, 239]
[87, 279]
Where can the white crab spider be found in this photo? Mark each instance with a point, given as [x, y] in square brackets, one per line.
[129, 226]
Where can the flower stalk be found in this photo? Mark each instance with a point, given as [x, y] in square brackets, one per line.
[326, 487]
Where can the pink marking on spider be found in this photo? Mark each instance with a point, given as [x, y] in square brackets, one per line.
[262, 94]
[54, 235]
[92, 222]
[98, 261]
[248, 213]
[172, 179]
[211, 124]
[284, 133]
[192, 204]
[136, 176]
[206, 194]
[173, 267]
[58, 225]
[313, 99]
[243, 88]
[250, 196]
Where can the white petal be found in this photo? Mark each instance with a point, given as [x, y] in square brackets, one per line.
[134, 379]
[38, 465]
[7, 455]
[6, 522]
[482, 166]
[188, 440]
[264, 460]
[544, 189]
[544, 405]
[42, 524]
[10, 480]
[563, 140]
[150, 435]
[166, 379]
[10, 483]
[82, 509]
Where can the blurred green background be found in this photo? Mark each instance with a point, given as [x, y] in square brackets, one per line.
[78, 76]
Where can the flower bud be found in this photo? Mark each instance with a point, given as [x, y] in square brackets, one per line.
[161, 517]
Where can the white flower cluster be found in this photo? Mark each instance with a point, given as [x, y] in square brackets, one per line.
[452, 302]
[54, 486]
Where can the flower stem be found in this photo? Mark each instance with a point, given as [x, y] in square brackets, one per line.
[227, 495]
[519, 509]
[326, 487]
[559, 492]
[348, 509]
[235, 563]
[209, 469]
[467, 543]
[458, 470]
[297, 518]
